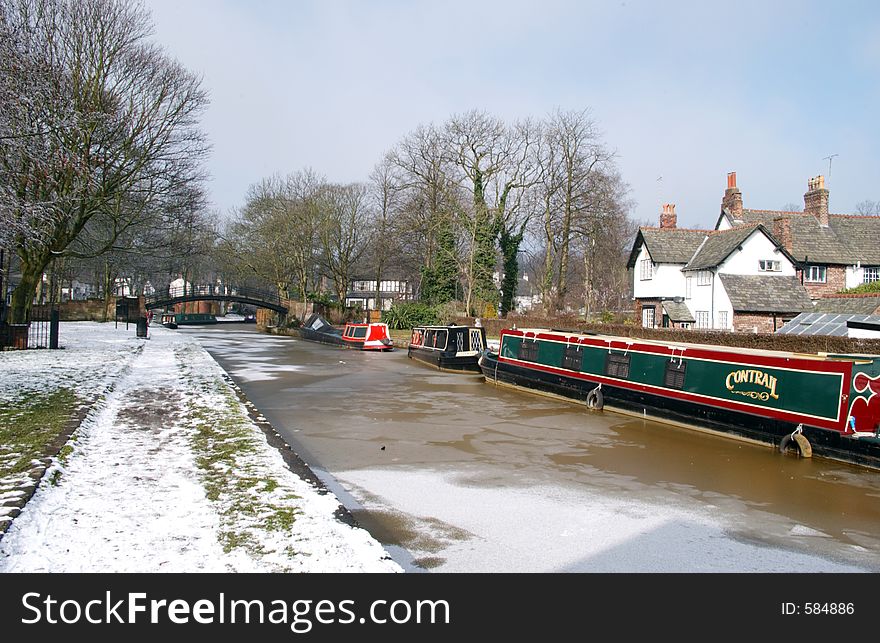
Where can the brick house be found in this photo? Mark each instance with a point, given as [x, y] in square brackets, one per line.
[832, 251]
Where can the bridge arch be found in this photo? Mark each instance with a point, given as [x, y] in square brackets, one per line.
[252, 296]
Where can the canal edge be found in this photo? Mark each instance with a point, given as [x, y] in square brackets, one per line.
[323, 484]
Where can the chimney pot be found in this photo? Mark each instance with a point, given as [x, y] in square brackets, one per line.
[816, 200]
[667, 216]
[732, 201]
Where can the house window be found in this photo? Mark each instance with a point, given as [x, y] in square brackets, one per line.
[688, 286]
[704, 278]
[769, 265]
[871, 275]
[722, 319]
[648, 317]
[702, 317]
[815, 274]
[617, 366]
[674, 377]
[646, 269]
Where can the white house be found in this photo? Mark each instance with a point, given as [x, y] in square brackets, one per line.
[735, 279]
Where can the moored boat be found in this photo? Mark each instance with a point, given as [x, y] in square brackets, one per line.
[373, 336]
[823, 404]
[169, 320]
[449, 348]
[194, 319]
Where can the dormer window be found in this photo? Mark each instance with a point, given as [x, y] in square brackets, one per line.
[646, 269]
[769, 265]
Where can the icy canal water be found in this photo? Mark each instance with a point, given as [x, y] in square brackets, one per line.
[456, 475]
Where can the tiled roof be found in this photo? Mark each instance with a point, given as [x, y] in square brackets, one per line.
[759, 293]
[847, 239]
[669, 245]
[678, 311]
[852, 305]
[718, 246]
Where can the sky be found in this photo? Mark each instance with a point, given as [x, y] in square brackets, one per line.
[683, 92]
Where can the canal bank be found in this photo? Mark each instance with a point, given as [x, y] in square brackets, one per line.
[474, 478]
[170, 470]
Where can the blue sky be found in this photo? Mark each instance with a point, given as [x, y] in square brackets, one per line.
[686, 91]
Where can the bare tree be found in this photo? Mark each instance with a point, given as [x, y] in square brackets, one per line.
[106, 140]
[868, 208]
[345, 231]
[425, 219]
[575, 163]
[386, 188]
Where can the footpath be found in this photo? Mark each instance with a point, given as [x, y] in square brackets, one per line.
[146, 458]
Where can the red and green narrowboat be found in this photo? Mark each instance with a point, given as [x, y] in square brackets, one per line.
[368, 337]
[825, 404]
[448, 348]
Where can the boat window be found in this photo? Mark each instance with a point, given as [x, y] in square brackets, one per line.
[429, 338]
[528, 350]
[675, 374]
[617, 365]
[572, 357]
[359, 332]
[476, 340]
[440, 339]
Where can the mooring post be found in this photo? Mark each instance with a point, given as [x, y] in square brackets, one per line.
[54, 323]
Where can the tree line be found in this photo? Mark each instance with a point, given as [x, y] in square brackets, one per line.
[100, 146]
[101, 176]
[463, 209]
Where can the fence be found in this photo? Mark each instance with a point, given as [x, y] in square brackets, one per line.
[39, 331]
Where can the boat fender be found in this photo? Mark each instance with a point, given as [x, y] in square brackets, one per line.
[805, 449]
[595, 399]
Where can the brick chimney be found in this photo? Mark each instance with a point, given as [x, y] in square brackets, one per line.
[816, 200]
[782, 231]
[667, 216]
[733, 200]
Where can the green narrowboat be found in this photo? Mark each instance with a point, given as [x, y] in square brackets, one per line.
[824, 404]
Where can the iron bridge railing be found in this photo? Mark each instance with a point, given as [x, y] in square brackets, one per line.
[193, 292]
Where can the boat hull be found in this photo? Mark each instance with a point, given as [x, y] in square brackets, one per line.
[444, 362]
[452, 348]
[729, 422]
[374, 336]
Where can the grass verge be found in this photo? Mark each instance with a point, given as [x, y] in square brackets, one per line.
[29, 426]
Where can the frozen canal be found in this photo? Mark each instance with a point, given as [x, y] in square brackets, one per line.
[466, 477]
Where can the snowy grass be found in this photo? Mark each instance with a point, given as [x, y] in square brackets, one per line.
[225, 446]
[28, 426]
[166, 472]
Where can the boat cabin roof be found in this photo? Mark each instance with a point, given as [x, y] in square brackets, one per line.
[684, 345]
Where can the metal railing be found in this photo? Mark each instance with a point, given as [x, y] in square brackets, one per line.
[195, 292]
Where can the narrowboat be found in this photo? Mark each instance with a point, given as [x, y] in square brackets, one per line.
[169, 320]
[448, 348]
[194, 319]
[368, 337]
[822, 404]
